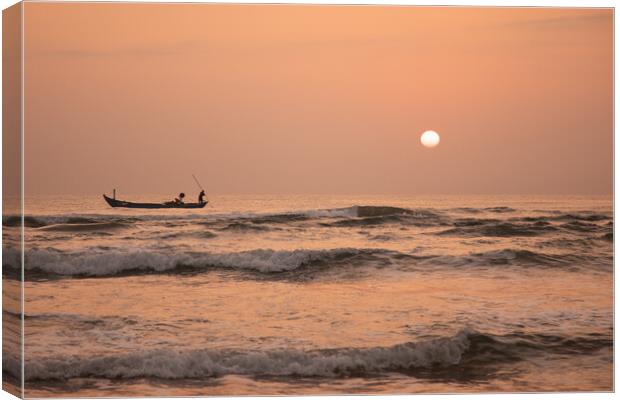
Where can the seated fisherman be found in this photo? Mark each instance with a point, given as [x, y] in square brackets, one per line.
[179, 200]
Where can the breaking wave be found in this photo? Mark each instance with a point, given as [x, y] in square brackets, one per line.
[467, 348]
[41, 263]
[177, 364]
[114, 262]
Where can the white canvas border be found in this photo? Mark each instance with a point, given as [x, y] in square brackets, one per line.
[484, 3]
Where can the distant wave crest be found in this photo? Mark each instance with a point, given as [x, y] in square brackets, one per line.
[355, 216]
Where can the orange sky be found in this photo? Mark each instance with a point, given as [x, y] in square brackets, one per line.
[317, 99]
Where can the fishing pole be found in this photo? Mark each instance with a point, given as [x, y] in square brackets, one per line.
[199, 185]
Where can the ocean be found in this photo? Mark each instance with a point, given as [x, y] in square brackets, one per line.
[283, 295]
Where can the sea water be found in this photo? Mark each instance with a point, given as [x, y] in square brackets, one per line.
[312, 295]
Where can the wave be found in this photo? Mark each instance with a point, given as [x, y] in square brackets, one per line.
[16, 221]
[526, 258]
[467, 349]
[473, 210]
[348, 217]
[386, 220]
[115, 262]
[527, 226]
[496, 228]
[583, 216]
[355, 216]
[578, 226]
[177, 364]
[83, 227]
[514, 257]
[380, 215]
[241, 226]
[475, 221]
[50, 263]
[499, 209]
[257, 218]
[379, 211]
[50, 220]
[337, 217]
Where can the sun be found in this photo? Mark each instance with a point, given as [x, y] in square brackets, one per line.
[429, 139]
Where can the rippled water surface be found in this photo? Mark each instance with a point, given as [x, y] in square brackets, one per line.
[314, 294]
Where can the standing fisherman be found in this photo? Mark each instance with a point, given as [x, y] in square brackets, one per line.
[201, 195]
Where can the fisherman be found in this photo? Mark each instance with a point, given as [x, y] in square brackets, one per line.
[201, 197]
[179, 200]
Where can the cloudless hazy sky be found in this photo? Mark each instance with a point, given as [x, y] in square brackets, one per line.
[317, 99]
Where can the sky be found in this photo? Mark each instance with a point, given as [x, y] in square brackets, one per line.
[292, 99]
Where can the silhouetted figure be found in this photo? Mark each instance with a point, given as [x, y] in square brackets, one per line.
[201, 197]
[179, 200]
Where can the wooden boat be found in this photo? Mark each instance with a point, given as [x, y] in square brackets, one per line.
[169, 204]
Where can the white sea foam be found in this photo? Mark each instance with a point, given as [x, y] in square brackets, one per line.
[178, 364]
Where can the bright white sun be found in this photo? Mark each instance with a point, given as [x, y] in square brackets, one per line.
[429, 139]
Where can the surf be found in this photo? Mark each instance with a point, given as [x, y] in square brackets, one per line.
[467, 349]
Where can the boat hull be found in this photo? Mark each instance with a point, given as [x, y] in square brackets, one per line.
[127, 204]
